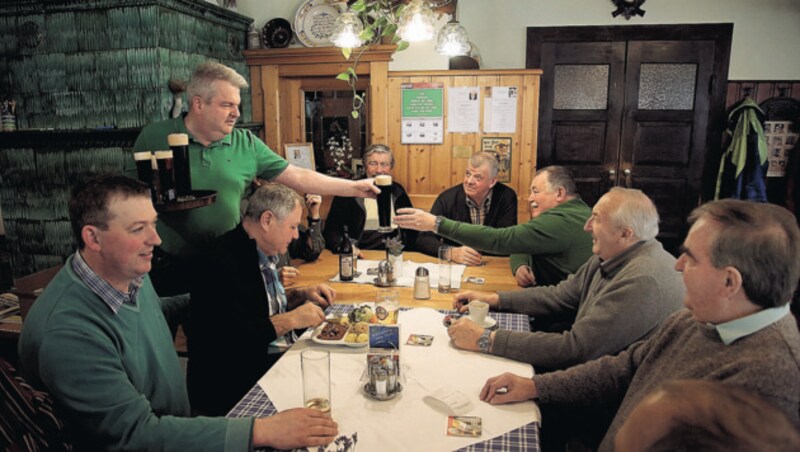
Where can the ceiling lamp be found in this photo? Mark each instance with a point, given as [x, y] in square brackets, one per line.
[453, 40]
[347, 30]
[416, 22]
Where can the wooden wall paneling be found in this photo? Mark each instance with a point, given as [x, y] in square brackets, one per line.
[459, 165]
[442, 171]
[270, 84]
[401, 152]
[760, 90]
[256, 94]
[527, 144]
[379, 113]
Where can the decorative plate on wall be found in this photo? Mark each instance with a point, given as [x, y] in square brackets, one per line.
[277, 33]
[314, 21]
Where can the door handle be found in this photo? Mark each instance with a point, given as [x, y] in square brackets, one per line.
[627, 173]
[612, 176]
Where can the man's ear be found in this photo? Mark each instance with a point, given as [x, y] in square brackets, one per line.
[91, 237]
[196, 103]
[494, 181]
[267, 218]
[627, 233]
[733, 280]
[561, 194]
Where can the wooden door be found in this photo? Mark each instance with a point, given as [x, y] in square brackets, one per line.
[621, 107]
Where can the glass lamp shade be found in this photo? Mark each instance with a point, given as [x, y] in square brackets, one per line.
[416, 22]
[347, 30]
[453, 40]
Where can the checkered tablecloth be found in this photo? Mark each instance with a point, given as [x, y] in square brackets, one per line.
[526, 438]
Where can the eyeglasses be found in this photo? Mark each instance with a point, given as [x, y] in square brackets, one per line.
[374, 164]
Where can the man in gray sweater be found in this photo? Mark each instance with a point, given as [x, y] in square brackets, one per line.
[619, 296]
[740, 265]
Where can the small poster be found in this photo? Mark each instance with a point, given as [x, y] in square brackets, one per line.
[780, 142]
[422, 118]
[501, 147]
[463, 109]
[500, 109]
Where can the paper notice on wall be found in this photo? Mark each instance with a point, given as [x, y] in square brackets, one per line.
[463, 109]
[422, 117]
[780, 142]
[500, 109]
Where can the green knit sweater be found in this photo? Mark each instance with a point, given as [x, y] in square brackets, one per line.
[115, 378]
[554, 244]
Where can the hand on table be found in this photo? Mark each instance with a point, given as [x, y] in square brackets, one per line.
[465, 334]
[465, 255]
[461, 300]
[416, 219]
[294, 428]
[321, 295]
[288, 275]
[512, 388]
[307, 315]
[525, 277]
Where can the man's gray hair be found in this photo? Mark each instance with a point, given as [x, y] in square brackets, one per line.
[205, 76]
[760, 240]
[636, 211]
[277, 198]
[481, 158]
[378, 149]
[559, 176]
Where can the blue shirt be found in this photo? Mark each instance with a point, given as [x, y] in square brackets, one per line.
[731, 331]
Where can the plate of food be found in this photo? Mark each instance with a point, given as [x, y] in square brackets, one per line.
[341, 331]
[313, 23]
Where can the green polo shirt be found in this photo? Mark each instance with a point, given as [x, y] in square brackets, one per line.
[226, 166]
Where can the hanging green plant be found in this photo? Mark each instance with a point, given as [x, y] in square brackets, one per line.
[367, 23]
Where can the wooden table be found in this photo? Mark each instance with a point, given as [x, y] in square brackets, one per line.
[496, 272]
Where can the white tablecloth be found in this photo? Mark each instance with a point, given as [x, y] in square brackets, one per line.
[406, 279]
[406, 422]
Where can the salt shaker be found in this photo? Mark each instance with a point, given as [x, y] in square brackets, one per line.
[422, 288]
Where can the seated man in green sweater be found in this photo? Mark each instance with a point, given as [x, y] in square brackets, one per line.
[544, 250]
[96, 339]
[740, 265]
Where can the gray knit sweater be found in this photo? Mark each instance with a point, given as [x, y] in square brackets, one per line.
[766, 362]
[615, 303]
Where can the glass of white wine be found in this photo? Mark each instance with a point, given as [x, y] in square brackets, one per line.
[316, 370]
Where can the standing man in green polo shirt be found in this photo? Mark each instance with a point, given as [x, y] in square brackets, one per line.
[223, 159]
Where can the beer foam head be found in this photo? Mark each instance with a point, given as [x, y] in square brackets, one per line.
[178, 139]
[383, 180]
[163, 154]
[142, 155]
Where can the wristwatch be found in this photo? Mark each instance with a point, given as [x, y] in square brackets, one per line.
[485, 341]
[437, 223]
[313, 220]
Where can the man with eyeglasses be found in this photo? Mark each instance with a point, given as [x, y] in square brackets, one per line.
[480, 199]
[360, 215]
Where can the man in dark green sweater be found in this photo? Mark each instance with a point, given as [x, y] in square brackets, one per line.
[544, 250]
[96, 339]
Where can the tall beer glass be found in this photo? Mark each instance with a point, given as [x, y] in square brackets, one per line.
[166, 172]
[384, 182]
[179, 144]
[147, 171]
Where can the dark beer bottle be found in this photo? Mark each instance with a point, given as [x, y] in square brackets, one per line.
[346, 258]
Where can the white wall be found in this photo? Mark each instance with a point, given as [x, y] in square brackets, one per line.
[765, 33]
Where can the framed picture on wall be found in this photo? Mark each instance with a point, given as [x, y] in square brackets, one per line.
[300, 154]
[501, 147]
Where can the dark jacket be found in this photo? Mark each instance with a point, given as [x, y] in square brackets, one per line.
[452, 204]
[743, 169]
[351, 212]
[230, 330]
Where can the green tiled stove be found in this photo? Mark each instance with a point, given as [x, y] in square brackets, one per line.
[86, 75]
